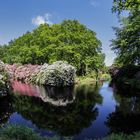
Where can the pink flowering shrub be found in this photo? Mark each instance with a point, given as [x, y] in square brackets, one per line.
[57, 74]
[22, 72]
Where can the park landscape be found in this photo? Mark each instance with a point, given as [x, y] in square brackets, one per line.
[55, 84]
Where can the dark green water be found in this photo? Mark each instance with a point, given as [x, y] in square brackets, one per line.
[80, 112]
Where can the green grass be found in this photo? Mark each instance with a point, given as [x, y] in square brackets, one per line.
[105, 76]
[91, 78]
[19, 132]
[85, 80]
[121, 136]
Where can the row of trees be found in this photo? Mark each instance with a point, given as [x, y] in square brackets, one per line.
[69, 41]
[127, 42]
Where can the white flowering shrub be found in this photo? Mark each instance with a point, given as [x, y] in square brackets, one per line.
[57, 74]
[4, 80]
[1, 66]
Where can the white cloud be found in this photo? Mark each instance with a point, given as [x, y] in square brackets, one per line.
[42, 19]
[38, 20]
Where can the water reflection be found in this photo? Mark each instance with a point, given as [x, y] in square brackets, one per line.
[5, 109]
[66, 111]
[125, 90]
[25, 89]
[80, 112]
[55, 95]
[126, 117]
[58, 96]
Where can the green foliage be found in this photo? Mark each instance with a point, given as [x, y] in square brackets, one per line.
[127, 42]
[58, 74]
[121, 136]
[69, 41]
[85, 80]
[105, 76]
[4, 80]
[17, 132]
[115, 137]
[129, 77]
[120, 5]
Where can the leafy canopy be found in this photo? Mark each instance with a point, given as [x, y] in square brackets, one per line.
[69, 41]
[127, 42]
[120, 5]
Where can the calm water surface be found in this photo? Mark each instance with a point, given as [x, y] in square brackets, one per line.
[80, 112]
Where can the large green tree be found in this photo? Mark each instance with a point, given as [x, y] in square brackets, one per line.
[127, 42]
[69, 41]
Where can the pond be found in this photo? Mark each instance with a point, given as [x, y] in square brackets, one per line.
[79, 112]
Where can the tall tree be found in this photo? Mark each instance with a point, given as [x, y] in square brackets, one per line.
[127, 42]
[69, 41]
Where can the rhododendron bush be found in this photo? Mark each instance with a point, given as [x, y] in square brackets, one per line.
[57, 74]
[4, 80]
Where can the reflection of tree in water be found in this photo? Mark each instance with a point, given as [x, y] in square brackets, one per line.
[5, 109]
[124, 89]
[126, 117]
[88, 93]
[66, 120]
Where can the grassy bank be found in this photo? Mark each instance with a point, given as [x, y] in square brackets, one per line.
[91, 78]
[121, 136]
[17, 132]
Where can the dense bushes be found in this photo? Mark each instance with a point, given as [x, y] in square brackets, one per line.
[17, 132]
[4, 80]
[129, 71]
[127, 77]
[22, 73]
[57, 74]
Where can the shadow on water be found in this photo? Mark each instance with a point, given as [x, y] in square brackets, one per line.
[126, 117]
[5, 109]
[124, 89]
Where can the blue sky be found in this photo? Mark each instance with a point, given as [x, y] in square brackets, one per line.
[19, 16]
